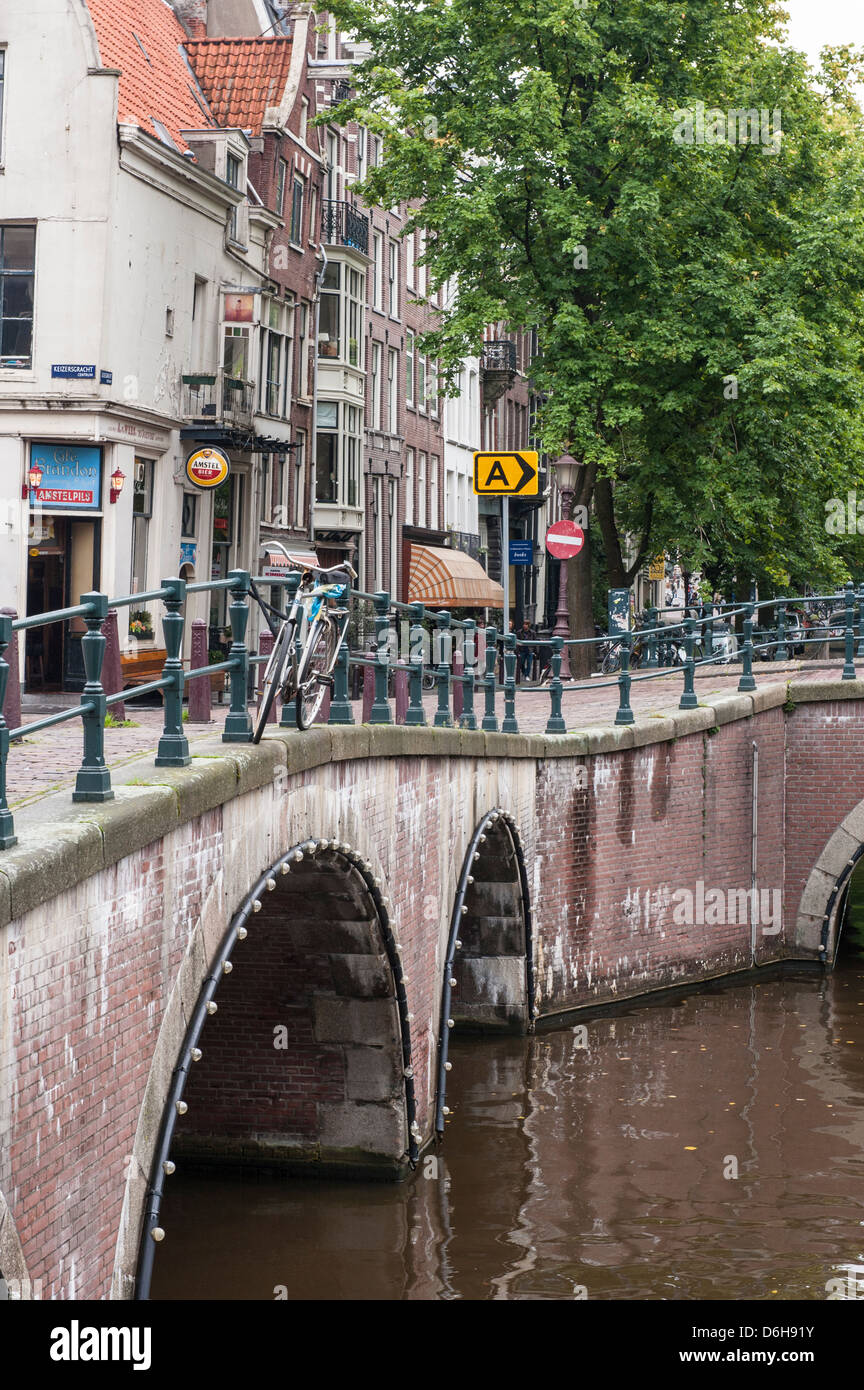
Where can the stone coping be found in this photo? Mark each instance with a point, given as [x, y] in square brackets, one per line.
[61, 843]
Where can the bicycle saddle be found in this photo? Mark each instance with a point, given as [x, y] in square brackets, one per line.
[336, 574]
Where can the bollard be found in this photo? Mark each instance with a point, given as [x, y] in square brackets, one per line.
[12, 701]
[625, 713]
[400, 690]
[511, 724]
[490, 719]
[8, 838]
[381, 712]
[443, 718]
[555, 723]
[266, 642]
[173, 749]
[340, 705]
[112, 669]
[747, 682]
[458, 688]
[688, 699]
[849, 663]
[368, 687]
[416, 715]
[199, 688]
[93, 782]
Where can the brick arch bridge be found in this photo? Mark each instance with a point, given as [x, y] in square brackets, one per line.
[556, 862]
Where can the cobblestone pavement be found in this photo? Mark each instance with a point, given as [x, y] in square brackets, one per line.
[49, 760]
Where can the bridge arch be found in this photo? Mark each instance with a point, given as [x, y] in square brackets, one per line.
[488, 980]
[821, 902]
[13, 1266]
[364, 1024]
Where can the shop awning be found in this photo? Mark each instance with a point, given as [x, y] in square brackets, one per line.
[275, 564]
[446, 578]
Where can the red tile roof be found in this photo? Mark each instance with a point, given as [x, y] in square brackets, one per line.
[143, 39]
[241, 77]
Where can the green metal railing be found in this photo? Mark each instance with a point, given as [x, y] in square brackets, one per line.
[484, 675]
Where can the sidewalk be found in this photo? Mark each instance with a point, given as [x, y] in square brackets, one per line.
[49, 760]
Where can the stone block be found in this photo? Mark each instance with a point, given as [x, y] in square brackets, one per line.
[373, 1074]
[816, 893]
[769, 696]
[811, 692]
[497, 980]
[362, 976]
[647, 731]
[375, 1128]
[853, 824]
[728, 708]
[692, 721]
[372, 1022]
[492, 936]
[837, 853]
[348, 741]
[606, 739]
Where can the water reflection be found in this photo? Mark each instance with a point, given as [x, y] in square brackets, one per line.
[606, 1167]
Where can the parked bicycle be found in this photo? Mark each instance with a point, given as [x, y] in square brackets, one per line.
[320, 622]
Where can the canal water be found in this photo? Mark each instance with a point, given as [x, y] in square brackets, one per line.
[709, 1148]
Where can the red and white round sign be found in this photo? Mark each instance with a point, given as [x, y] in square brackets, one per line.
[564, 540]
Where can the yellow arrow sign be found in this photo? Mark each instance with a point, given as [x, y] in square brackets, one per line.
[506, 475]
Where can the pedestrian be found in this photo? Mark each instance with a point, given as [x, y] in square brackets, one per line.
[526, 654]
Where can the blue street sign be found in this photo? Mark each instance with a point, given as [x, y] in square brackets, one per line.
[74, 370]
[106, 378]
[521, 552]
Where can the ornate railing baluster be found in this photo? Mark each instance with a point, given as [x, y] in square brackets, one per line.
[624, 714]
[416, 714]
[511, 724]
[468, 718]
[173, 750]
[747, 682]
[555, 723]
[238, 722]
[93, 782]
[489, 721]
[443, 718]
[849, 635]
[381, 712]
[8, 838]
[688, 699]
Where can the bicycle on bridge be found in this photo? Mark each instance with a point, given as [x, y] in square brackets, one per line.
[307, 642]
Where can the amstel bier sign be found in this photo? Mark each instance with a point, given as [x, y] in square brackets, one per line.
[207, 468]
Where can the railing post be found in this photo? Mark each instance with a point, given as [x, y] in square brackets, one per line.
[688, 699]
[340, 705]
[238, 721]
[747, 682]
[415, 714]
[625, 714]
[93, 782]
[555, 723]
[8, 838]
[288, 718]
[173, 749]
[511, 723]
[468, 718]
[490, 719]
[849, 663]
[652, 663]
[781, 651]
[381, 712]
[458, 685]
[443, 719]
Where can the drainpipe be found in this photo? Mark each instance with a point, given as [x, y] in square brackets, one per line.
[313, 432]
[754, 848]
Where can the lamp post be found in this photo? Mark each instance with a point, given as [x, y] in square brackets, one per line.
[565, 479]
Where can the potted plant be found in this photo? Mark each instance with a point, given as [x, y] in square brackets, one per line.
[141, 625]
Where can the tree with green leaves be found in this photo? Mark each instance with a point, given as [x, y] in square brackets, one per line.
[662, 191]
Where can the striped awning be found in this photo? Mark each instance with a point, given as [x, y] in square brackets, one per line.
[274, 565]
[450, 579]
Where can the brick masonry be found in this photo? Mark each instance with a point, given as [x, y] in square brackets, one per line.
[110, 916]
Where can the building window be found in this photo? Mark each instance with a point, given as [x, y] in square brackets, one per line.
[281, 177]
[189, 516]
[142, 510]
[409, 261]
[275, 359]
[313, 214]
[300, 481]
[432, 389]
[433, 492]
[421, 269]
[304, 118]
[409, 368]
[409, 487]
[332, 177]
[2, 94]
[235, 353]
[341, 312]
[421, 489]
[327, 459]
[375, 387]
[303, 380]
[393, 282]
[17, 270]
[361, 152]
[232, 177]
[297, 213]
[421, 382]
[378, 557]
[377, 269]
[337, 464]
[393, 391]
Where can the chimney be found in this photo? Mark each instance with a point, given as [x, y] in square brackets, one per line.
[192, 14]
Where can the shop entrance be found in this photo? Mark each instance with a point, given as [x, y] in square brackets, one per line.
[62, 564]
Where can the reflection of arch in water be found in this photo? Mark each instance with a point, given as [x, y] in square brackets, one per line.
[488, 971]
[310, 906]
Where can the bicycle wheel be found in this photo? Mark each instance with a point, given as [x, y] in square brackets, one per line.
[272, 678]
[316, 663]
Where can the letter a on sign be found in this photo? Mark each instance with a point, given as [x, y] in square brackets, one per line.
[496, 475]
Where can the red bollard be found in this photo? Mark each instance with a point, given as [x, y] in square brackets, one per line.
[458, 688]
[265, 647]
[368, 688]
[199, 688]
[400, 690]
[112, 669]
[12, 702]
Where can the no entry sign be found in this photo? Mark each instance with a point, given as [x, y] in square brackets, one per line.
[564, 540]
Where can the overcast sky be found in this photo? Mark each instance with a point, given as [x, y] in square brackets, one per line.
[813, 23]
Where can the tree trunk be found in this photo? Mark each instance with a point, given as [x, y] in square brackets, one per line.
[581, 609]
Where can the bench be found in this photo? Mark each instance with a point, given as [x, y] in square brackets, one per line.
[142, 667]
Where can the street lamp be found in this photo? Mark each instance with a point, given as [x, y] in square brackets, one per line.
[565, 470]
[117, 480]
[34, 479]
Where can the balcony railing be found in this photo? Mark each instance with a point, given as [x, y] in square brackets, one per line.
[343, 225]
[217, 399]
[498, 369]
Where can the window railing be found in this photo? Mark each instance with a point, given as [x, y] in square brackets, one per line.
[343, 225]
[217, 399]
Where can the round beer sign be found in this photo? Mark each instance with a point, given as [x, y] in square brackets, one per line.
[207, 468]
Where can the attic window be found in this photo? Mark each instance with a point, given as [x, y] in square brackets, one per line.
[163, 134]
[141, 46]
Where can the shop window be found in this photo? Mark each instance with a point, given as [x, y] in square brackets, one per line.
[17, 270]
[142, 511]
